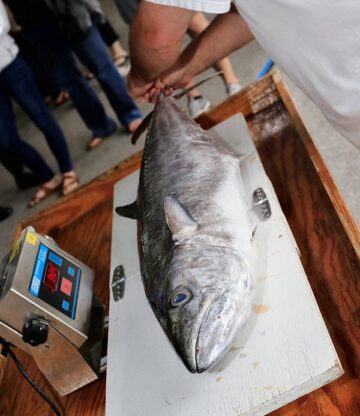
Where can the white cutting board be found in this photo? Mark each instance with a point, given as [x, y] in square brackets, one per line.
[283, 352]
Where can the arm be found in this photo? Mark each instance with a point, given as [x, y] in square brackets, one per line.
[155, 41]
[224, 35]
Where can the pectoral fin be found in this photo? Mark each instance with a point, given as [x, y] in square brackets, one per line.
[128, 211]
[179, 221]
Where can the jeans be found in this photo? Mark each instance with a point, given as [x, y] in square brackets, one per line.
[54, 53]
[93, 53]
[10, 142]
[17, 80]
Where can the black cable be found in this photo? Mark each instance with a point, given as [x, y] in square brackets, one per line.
[22, 370]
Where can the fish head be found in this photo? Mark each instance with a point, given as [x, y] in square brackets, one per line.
[206, 298]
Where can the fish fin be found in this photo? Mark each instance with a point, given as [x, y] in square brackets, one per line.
[128, 211]
[142, 127]
[179, 221]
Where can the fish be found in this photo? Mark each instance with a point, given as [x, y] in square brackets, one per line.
[195, 237]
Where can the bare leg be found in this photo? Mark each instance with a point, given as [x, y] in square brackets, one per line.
[117, 51]
[197, 25]
[195, 92]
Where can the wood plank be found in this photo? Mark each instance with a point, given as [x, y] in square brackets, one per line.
[249, 101]
[327, 253]
[341, 208]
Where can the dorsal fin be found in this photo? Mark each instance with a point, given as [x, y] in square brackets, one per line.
[142, 127]
[128, 211]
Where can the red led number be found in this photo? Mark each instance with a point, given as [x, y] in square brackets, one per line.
[51, 277]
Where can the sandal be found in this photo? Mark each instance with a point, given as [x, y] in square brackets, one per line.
[70, 182]
[43, 192]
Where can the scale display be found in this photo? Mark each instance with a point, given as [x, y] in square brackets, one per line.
[56, 281]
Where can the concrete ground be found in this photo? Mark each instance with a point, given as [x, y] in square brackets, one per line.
[342, 159]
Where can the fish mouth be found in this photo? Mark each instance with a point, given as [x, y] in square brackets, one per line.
[211, 342]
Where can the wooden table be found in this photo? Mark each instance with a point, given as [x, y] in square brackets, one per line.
[327, 236]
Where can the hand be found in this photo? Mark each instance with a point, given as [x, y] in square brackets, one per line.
[157, 88]
[138, 89]
[175, 77]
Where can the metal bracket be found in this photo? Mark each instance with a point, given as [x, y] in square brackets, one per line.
[261, 204]
[118, 283]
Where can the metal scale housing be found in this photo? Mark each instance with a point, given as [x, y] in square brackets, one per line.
[48, 310]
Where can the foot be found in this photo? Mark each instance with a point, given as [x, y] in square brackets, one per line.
[5, 212]
[97, 141]
[45, 190]
[70, 182]
[198, 105]
[133, 125]
[94, 143]
[61, 98]
[233, 88]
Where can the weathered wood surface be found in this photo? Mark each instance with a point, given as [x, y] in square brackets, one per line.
[81, 223]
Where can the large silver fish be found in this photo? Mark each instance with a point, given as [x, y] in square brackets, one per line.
[195, 237]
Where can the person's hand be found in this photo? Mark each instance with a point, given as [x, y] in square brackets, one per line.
[157, 88]
[138, 89]
[175, 77]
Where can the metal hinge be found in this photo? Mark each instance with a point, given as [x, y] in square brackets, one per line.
[261, 204]
[118, 283]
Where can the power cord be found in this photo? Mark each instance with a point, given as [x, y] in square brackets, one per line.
[6, 350]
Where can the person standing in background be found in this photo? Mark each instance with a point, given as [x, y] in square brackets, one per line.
[17, 81]
[41, 26]
[77, 21]
[119, 55]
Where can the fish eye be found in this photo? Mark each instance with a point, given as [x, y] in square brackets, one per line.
[180, 297]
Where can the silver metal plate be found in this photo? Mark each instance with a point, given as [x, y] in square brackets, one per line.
[118, 283]
[261, 204]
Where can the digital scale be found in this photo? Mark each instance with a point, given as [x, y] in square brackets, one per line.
[48, 310]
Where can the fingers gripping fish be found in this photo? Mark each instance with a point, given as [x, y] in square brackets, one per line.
[195, 237]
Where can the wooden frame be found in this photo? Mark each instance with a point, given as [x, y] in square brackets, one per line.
[326, 234]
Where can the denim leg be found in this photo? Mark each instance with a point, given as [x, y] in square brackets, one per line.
[54, 53]
[10, 141]
[93, 54]
[22, 87]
